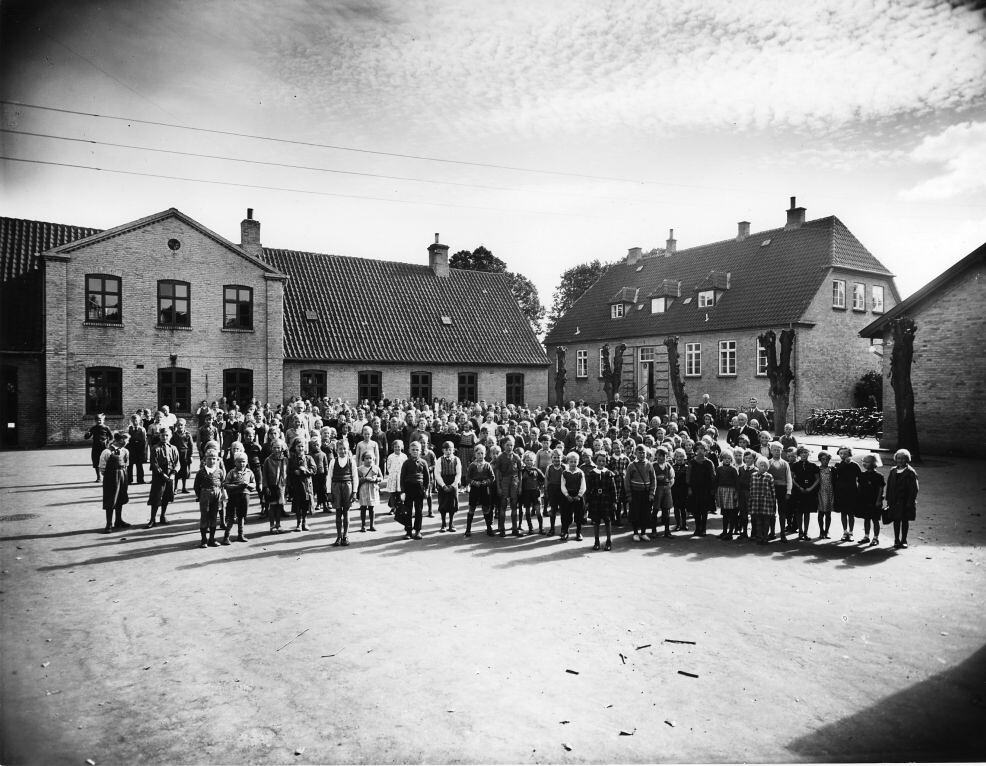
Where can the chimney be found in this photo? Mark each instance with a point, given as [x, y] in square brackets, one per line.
[250, 235]
[634, 254]
[795, 216]
[743, 230]
[438, 258]
[672, 244]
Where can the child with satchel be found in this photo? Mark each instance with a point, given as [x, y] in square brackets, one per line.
[368, 492]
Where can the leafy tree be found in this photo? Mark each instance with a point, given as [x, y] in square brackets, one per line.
[523, 289]
[574, 282]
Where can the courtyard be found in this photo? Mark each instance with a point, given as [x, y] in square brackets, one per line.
[138, 647]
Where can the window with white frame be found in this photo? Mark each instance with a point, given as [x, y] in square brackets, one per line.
[581, 363]
[658, 305]
[877, 299]
[616, 311]
[761, 359]
[706, 298]
[838, 293]
[858, 296]
[727, 357]
[693, 360]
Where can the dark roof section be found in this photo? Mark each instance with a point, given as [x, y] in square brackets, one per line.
[372, 311]
[774, 275]
[21, 242]
[878, 326]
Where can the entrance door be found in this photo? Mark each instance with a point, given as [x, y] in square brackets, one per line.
[8, 407]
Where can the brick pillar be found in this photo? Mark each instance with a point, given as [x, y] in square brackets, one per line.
[56, 349]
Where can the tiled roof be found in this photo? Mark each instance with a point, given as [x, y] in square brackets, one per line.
[625, 295]
[21, 241]
[389, 312]
[774, 275]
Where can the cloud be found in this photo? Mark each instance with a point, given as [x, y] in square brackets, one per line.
[961, 149]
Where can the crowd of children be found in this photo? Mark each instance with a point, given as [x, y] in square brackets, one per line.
[558, 468]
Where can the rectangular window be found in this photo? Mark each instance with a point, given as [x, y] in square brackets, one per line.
[706, 298]
[581, 363]
[173, 304]
[877, 299]
[313, 384]
[838, 293]
[646, 356]
[238, 386]
[104, 390]
[761, 359]
[421, 386]
[858, 296]
[103, 299]
[174, 388]
[616, 311]
[658, 305]
[693, 360]
[515, 388]
[467, 387]
[238, 307]
[727, 357]
[368, 385]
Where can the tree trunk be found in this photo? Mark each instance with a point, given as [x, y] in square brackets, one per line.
[607, 374]
[616, 376]
[560, 376]
[779, 373]
[674, 373]
[903, 330]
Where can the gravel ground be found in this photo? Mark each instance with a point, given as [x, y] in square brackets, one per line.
[137, 647]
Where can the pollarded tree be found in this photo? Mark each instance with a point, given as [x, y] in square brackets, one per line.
[779, 372]
[901, 357]
[674, 374]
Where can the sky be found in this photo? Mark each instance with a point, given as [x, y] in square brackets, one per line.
[552, 132]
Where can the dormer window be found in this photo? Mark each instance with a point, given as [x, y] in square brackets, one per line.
[616, 311]
[658, 305]
[706, 298]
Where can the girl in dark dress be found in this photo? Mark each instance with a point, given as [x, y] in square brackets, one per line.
[805, 481]
[870, 500]
[182, 440]
[301, 468]
[845, 487]
[601, 498]
[113, 465]
[701, 478]
[679, 491]
[902, 494]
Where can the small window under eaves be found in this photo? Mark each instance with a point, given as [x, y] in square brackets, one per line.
[765, 243]
[311, 315]
[446, 320]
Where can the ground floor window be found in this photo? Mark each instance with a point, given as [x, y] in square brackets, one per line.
[104, 390]
[421, 386]
[313, 384]
[467, 387]
[238, 386]
[515, 388]
[174, 388]
[369, 385]
[693, 360]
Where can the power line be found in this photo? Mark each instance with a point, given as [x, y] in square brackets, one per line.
[286, 189]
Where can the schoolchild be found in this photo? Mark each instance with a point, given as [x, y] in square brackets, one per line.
[746, 467]
[137, 447]
[344, 478]
[826, 494]
[321, 475]
[428, 455]
[448, 479]
[369, 476]
[805, 482]
[787, 438]
[507, 466]
[845, 483]
[573, 488]
[467, 443]
[301, 468]
[902, 494]
[238, 484]
[553, 497]
[870, 505]
[113, 466]
[252, 448]
[701, 477]
[479, 477]
[543, 457]
[763, 501]
[164, 467]
[618, 463]
[395, 462]
[601, 498]
[665, 476]
[640, 482]
[209, 492]
[367, 444]
[679, 490]
[780, 471]
[182, 440]
[531, 483]
[274, 473]
[207, 433]
[101, 437]
[414, 485]
[726, 494]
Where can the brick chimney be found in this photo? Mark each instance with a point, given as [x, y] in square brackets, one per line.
[634, 254]
[671, 245]
[438, 258]
[250, 235]
[743, 230]
[795, 216]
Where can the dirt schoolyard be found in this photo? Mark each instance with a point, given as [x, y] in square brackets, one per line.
[139, 647]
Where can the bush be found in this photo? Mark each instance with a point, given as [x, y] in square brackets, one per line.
[869, 390]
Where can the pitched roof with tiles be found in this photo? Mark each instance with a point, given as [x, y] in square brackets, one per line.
[774, 275]
[388, 312]
[22, 241]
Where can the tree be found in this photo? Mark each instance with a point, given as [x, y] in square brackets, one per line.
[903, 330]
[560, 376]
[523, 290]
[674, 373]
[779, 372]
[574, 282]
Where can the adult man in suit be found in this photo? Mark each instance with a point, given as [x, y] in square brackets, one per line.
[705, 408]
[753, 412]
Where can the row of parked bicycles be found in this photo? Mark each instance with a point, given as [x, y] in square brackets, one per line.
[857, 421]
